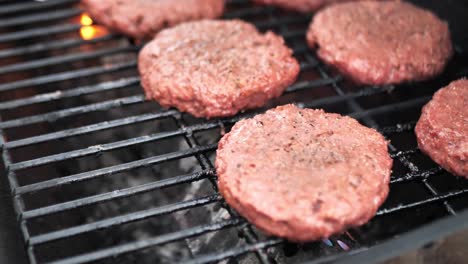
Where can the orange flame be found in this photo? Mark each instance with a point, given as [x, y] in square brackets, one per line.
[88, 30]
[85, 20]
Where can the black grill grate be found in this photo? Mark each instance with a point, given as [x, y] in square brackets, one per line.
[62, 88]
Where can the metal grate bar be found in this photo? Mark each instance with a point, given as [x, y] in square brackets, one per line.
[53, 116]
[52, 45]
[254, 11]
[38, 32]
[299, 86]
[122, 193]
[399, 128]
[43, 17]
[414, 169]
[89, 129]
[294, 34]
[84, 90]
[110, 171]
[418, 175]
[434, 191]
[18, 202]
[306, 65]
[63, 76]
[404, 153]
[140, 245]
[32, 6]
[210, 258]
[344, 97]
[122, 219]
[95, 149]
[302, 50]
[64, 59]
[442, 197]
[234, 2]
[404, 160]
[391, 107]
[282, 21]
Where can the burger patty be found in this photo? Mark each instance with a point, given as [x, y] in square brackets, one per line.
[303, 174]
[379, 43]
[216, 68]
[144, 18]
[301, 5]
[442, 130]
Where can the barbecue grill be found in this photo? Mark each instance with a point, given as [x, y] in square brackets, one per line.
[97, 173]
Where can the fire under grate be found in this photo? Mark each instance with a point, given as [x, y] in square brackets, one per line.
[99, 174]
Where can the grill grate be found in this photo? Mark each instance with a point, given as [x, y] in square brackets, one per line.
[62, 90]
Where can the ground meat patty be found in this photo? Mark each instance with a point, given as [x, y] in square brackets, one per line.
[381, 42]
[216, 68]
[144, 18]
[303, 174]
[442, 130]
[300, 5]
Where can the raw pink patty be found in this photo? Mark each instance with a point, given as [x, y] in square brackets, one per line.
[381, 42]
[303, 174]
[216, 68]
[442, 129]
[144, 18]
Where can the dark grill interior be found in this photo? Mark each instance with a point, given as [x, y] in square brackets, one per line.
[99, 174]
